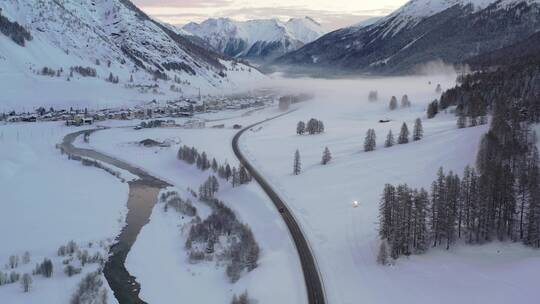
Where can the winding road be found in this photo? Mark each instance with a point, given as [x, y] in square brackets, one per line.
[312, 277]
[143, 195]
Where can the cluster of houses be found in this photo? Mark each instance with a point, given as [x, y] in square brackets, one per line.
[183, 107]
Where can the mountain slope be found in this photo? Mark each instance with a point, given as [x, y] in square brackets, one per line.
[113, 37]
[256, 39]
[419, 32]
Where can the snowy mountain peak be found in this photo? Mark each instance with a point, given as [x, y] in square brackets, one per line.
[258, 39]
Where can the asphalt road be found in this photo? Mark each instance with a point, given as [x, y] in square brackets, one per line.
[313, 280]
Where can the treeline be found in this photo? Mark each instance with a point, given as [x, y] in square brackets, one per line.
[14, 30]
[313, 126]
[499, 200]
[479, 92]
[192, 156]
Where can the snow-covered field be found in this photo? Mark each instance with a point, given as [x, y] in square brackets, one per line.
[278, 279]
[87, 204]
[48, 200]
[344, 238]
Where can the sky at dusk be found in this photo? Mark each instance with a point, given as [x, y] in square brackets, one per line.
[332, 14]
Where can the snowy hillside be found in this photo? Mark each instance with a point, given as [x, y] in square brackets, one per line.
[419, 32]
[256, 39]
[111, 40]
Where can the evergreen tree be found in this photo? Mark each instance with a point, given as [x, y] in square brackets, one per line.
[214, 165]
[393, 103]
[300, 128]
[389, 140]
[370, 140]
[461, 121]
[382, 256]
[297, 166]
[405, 102]
[404, 134]
[326, 157]
[433, 109]
[418, 131]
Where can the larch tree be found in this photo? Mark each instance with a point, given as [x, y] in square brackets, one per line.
[393, 103]
[370, 142]
[404, 134]
[418, 131]
[297, 165]
[300, 128]
[390, 141]
[326, 156]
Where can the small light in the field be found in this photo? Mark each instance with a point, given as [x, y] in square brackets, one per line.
[355, 204]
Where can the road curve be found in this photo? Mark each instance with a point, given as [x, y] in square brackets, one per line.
[313, 280]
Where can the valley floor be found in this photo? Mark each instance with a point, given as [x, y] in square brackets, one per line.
[345, 239]
[49, 200]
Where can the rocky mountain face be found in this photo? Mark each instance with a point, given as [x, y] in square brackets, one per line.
[110, 36]
[258, 40]
[421, 31]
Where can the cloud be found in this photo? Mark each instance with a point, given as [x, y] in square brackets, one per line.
[331, 15]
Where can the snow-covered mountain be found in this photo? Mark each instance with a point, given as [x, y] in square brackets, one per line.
[256, 39]
[112, 37]
[419, 32]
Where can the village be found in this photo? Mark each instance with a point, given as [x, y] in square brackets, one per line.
[181, 108]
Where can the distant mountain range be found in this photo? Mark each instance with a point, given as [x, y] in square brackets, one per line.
[106, 38]
[259, 40]
[421, 31]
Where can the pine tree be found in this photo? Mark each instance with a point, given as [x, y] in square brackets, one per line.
[300, 128]
[297, 166]
[393, 103]
[405, 102]
[326, 157]
[235, 177]
[461, 122]
[370, 140]
[404, 134]
[389, 140]
[420, 230]
[418, 131]
[382, 256]
[433, 109]
[214, 165]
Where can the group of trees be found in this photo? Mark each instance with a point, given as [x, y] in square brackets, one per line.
[403, 138]
[209, 188]
[405, 102]
[464, 121]
[236, 176]
[14, 30]
[83, 71]
[499, 200]
[172, 199]
[91, 290]
[13, 277]
[313, 126]
[243, 298]
[240, 249]
[297, 163]
[112, 78]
